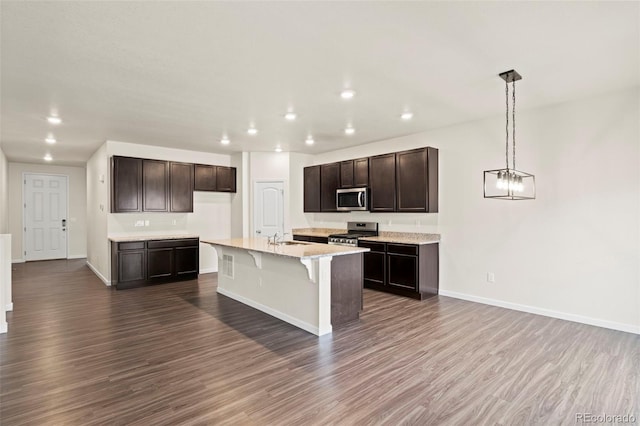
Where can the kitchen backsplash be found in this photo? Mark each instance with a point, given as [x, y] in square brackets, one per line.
[400, 222]
[146, 222]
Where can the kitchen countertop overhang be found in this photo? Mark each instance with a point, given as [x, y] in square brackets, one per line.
[296, 249]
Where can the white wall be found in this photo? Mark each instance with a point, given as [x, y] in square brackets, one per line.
[211, 217]
[77, 225]
[574, 251]
[240, 203]
[4, 194]
[98, 250]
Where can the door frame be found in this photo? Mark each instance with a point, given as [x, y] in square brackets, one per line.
[252, 230]
[24, 211]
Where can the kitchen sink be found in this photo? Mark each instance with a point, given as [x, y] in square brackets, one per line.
[292, 243]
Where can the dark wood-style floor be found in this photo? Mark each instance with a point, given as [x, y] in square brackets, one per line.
[79, 353]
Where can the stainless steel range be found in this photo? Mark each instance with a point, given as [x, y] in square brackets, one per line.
[355, 230]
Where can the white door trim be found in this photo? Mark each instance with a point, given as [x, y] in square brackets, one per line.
[24, 210]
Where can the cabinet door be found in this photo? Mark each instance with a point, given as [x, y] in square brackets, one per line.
[374, 268]
[225, 179]
[155, 185]
[382, 181]
[411, 176]
[329, 183]
[159, 263]
[361, 172]
[402, 271]
[126, 194]
[186, 260]
[131, 266]
[181, 190]
[204, 177]
[346, 174]
[312, 189]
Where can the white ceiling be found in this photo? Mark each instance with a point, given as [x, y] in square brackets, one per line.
[182, 74]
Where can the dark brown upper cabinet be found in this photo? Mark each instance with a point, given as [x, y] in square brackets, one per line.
[225, 179]
[204, 177]
[346, 174]
[181, 187]
[312, 189]
[382, 183]
[361, 172]
[144, 185]
[155, 185]
[126, 194]
[214, 178]
[329, 183]
[417, 180]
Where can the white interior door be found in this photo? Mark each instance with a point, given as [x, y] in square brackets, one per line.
[45, 217]
[268, 208]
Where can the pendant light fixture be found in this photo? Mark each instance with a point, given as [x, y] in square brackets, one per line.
[510, 183]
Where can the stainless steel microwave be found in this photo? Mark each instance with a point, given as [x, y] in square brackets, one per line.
[352, 199]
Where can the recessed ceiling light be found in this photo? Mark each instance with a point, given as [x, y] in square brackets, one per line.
[407, 115]
[225, 140]
[50, 140]
[252, 131]
[278, 149]
[349, 130]
[54, 120]
[347, 93]
[309, 141]
[48, 157]
[290, 116]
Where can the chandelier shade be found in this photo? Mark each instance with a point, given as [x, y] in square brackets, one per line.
[508, 183]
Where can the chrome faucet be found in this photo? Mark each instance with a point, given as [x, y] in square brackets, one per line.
[277, 239]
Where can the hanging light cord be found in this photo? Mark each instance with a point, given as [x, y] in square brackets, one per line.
[513, 133]
[506, 127]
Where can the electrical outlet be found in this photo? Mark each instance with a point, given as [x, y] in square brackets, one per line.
[491, 277]
[139, 223]
[146, 223]
[174, 222]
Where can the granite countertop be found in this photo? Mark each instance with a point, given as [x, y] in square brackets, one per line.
[147, 237]
[317, 232]
[404, 238]
[300, 250]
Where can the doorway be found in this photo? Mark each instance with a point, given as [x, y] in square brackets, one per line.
[268, 208]
[45, 216]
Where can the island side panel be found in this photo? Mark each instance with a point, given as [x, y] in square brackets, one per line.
[346, 288]
[277, 285]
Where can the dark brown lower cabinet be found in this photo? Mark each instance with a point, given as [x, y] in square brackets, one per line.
[311, 239]
[140, 263]
[405, 269]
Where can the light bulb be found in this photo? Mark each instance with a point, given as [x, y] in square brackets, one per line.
[499, 181]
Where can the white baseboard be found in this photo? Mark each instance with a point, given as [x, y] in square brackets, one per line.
[77, 256]
[9, 307]
[208, 270]
[629, 328]
[3, 327]
[17, 260]
[102, 277]
[274, 313]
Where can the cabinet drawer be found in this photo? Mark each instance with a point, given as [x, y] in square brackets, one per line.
[373, 246]
[408, 249]
[133, 245]
[172, 243]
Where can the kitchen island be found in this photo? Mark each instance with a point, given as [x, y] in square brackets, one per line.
[313, 286]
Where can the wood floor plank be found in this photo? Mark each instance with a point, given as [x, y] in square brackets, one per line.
[79, 353]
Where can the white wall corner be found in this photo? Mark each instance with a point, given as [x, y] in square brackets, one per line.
[98, 274]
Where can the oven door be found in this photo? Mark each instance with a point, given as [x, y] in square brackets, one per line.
[352, 199]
